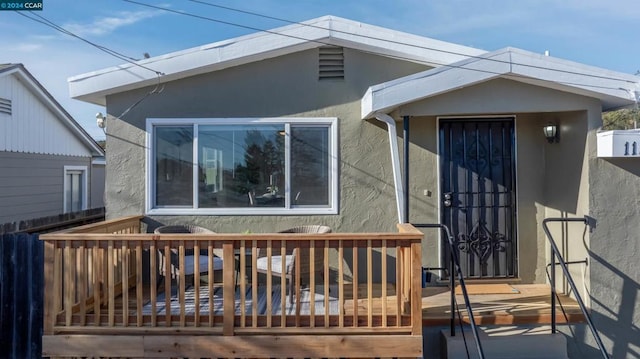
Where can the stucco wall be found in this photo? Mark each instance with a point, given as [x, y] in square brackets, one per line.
[564, 179]
[551, 178]
[615, 250]
[286, 86]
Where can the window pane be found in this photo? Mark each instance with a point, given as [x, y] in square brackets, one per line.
[310, 166]
[241, 166]
[73, 191]
[67, 192]
[76, 191]
[174, 165]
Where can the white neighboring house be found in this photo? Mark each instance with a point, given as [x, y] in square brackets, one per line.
[48, 164]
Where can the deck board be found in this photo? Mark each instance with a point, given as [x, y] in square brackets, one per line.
[530, 306]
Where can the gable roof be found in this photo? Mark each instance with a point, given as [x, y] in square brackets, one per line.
[93, 87]
[614, 89]
[36, 88]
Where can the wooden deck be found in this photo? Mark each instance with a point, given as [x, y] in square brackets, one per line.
[99, 304]
[523, 304]
[528, 304]
[531, 304]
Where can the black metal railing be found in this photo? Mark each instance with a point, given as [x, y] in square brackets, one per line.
[455, 268]
[555, 254]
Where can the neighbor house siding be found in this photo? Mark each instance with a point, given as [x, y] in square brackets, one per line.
[32, 126]
[31, 185]
[96, 181]
[285, 86]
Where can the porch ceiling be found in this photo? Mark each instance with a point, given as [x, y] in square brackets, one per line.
[612, 88]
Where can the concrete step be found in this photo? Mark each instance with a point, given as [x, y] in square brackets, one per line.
[506, 343]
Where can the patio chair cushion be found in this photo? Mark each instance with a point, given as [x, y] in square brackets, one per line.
[190, 258]
[276, 264]
[203, 264]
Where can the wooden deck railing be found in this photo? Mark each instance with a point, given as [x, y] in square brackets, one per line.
[103, 285]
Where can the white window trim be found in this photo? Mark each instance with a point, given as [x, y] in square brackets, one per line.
[85, 186]
[332, 122]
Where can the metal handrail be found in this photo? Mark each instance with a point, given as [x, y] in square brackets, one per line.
[556, 252]
[455, 265]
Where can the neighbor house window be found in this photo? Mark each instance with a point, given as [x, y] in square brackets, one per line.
[75, 188]
[242, 166]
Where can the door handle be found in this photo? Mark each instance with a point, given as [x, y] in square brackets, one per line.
[447, 199]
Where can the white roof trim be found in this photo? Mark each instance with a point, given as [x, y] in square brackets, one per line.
[614, 89]
[47, 99]
[95, 86]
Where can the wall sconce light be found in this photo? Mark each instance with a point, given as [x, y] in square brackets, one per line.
[551, 132]
[101, 120]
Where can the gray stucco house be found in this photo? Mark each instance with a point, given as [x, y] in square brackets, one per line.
[48, 164]
[307, 124]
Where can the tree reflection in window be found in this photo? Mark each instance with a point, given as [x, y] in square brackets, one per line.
[262, 172]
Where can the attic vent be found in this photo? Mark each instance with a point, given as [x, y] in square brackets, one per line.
[331, 64]
[5, 106]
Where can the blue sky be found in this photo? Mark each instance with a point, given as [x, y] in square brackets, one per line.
[594, 32]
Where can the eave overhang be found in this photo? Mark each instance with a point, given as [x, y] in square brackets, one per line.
[93, 87]
[612, 88]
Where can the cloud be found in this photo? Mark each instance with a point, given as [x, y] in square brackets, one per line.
[107, 25]
[620, 10]
[25, 47]
[52, 62]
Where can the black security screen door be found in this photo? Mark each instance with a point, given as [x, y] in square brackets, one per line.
[477, 172]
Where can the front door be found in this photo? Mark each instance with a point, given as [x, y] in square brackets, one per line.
[478, 202]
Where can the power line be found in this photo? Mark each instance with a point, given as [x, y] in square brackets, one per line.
[158, 89]
[184, 13]
[44, 21]
[324, 28]
[392, 41]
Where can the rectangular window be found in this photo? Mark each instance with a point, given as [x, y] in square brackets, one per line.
[242, 166]
[310, 173]
[75, 188]
[174, 162]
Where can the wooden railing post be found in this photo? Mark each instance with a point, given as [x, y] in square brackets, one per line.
[98, 277]
[416, 288]
[228, 288]
[413, 260]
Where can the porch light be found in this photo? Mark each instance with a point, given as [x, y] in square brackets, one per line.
[101, 120]
[551, 132]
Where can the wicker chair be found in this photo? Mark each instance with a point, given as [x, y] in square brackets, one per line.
[301, 254]
[190, 259]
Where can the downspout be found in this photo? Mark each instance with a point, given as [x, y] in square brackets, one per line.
[405, 161]
[395, 163]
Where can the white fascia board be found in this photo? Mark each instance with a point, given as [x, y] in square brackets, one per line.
[573, 76]
[614, 89]
[99, 161]
[399, 44]
[328, 30]
[386, 97]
